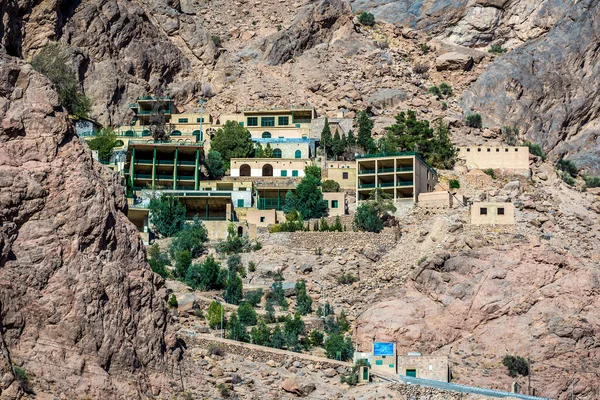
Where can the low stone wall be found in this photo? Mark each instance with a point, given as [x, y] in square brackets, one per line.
[361, 241]
[422, 392]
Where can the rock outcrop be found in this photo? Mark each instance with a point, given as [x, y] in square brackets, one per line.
[548, 88]
[80, 310]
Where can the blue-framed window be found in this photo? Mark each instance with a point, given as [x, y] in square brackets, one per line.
[298, 154]
[283, 120]
[283, 172]
[295, 172]
[182, 120]
[277, 153]
[252, 121]
[267, 121]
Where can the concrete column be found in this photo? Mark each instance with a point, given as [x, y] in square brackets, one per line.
[395, 179]
[196, 171]
[228, 208]
[154, 169]
[414, 179]
[175, 169]
[132, 168]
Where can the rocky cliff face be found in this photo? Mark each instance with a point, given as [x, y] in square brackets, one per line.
[80, 309]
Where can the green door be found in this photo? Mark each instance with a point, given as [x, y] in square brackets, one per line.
[240, 203]
[365, 374]
[411, 373]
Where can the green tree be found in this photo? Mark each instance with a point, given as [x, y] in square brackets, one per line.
[234, 264]
[365, 128]
[247, 314]
[350, 139]
[215, 165]
[260, 334]
[536, 150]
[338, 348]
[172, 303]
[330, 186]
[337, 145]
[191, 238]
[254, 296]
[167, 215]
[236, 330]
[316, 337]
[366, 18]
[233, 141]
[303, 300]
[270, 312]
[326, 139]
[234, 243]
[309, 198]
[516, 365]
[233, 289]
[474, 121]
[268, 151]
[158, 261]
[183, 261]
[314, 171]
[443, 153]
[343, 322]
[213, 316]
[206, 276]
[277, 338]
[567, 166]
[289, 204]
[53, 62]
[104, 141]
[366, 219]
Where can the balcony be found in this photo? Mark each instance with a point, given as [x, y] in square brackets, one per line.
[386, 184]
[162, 177]
[165, 162]
[366, 171]
[385, 170]
[185, 178]
[183, 162]
[366, 186]
[404, 169]
[407, 183]
[143, 161]
[142, 176]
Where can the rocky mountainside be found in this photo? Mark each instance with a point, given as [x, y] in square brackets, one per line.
[80, 311]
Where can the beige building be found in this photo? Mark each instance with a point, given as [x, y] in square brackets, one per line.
[439, 199]
[402, 175]
[342, 172]
[261, 218]
[336, 203]
[268, 167]
[492, 213]
[426, 367]
[495, 157]
[289, 148]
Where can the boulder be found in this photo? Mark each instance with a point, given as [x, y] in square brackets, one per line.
[454, 61]
[330, 372]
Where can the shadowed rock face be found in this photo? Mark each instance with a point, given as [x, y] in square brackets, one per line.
[549, 88]
[77, 298]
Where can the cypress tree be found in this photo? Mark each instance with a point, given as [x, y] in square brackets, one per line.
[326, 137]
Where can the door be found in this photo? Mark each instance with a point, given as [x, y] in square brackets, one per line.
[411, 373]
[240, 203]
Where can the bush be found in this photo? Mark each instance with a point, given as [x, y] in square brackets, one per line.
[236, 330]
[568, 179]
[421, 68]
[172, 303]
[330, 186]
[254, 297]
[246, 314]
[567, 166]
[474, 121]
[366, 18]
[511, 135]
[214, 313]
[444, 106]
[516, 365]
[536, 150]
[446, 89]
[316, 337]
[346, 279]
[257, 246]
[206, 276]
[104, 142]
[158, 261]
[424, 48]
[324, 311]
[269, 312]
[338, 348]
[190, 238]
[591, 181]
[183, 261]
[252, 266]
[366, 219]
[496, 49]
[303, 300]
[233, 244]
[167, 215]
[261, 334]
[24, 378]
[490, 172]
[215, 350]
[454, 184]
[52, 61]
[216, 40]
[435, 90]
[352, 378]
[233, 293]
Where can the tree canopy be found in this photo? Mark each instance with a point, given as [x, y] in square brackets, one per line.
[308, 199]
[104, 141]
[233, 141]
[215, 166]
[167, 215]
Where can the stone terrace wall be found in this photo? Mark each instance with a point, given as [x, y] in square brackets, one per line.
[421, 392]
[359, 241]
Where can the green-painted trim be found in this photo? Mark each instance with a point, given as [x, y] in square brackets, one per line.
[175, 169]
[131, 166]
[196, 182]
[154, 169]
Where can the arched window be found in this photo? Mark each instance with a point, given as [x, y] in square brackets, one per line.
[240, 231]
[245, 170]
[267, 170]
[129, 133]
[176, 133]
[276, 153]
[266, 135]
[197, 134]
[146, 132]
[298, 154]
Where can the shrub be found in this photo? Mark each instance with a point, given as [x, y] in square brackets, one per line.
[567, 166]
[516, 365]
[217, 40]
[352, 378]
[435, 90]
[536, 150]
[167, 215]
[277, 293]
[474, 121]
[366, 219]
[172, 303]
[444, 106]
[324, 311]
[183, 261]
[454, 184]
[260, 334]
[424, 48]
[257, 246]
[246, 314]
[490, 172]
[330, 186]
[215, 350]
[52, 61]
[591, 181]
[233, 289]
[233, 244]
[158, 261]
[316, 337]
[215, 166]
[24, 378]
[511, 135]
[104, 142]
[269, 312]
[366, 18]
[223, 389]
[236, 330]
[190, 238]
[206, 276]
[496, 49]
[346, 279]
[254, 297]
[277, 338]
[420, 260]
[252, 266]
[214, 313]
[568, 179]
[421, 68]
[446, 89]
[338, 348]
[303, 300]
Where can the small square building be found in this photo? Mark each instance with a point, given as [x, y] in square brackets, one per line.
[415, 365]
[492, 213]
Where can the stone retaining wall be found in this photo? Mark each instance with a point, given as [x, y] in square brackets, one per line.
[360, 241]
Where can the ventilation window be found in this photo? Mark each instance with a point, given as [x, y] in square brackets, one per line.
[489, 150]
[501, 211]
[516, 149]
[483, 211]
[479, 149]
[506, 150]
[497, 150]
[468, 150]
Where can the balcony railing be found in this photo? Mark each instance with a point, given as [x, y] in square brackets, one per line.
[366, 171]
[165, 177]
[143, 161]
[407, 183]
[366, 186]
[385, 170]
[186, 178]
[143, 176]
[184, 162]
[386, 184]
[165, 162]
[404, 169]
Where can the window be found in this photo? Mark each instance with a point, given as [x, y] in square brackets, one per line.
[240, 203]
[182, 120]
[489, 150]
[277, 153]
[295, 172]
[344, 175]
[378, 362]
[298, 154]
[334, 204]
[283, 172]
[516, 149]
[391, 365]
[198, 120]
[468, 150]
[506, 150]
[252, 121]
[411, 373]
[267, 121]
[501, 211]
[479, 149]
[266, 135]
[483, 211]
[262, 219]
[283, 120]
[497, 150]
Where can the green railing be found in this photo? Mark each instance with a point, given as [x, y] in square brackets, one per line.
[366, 171]
[143, 161]
[386, 184]
[398, 154]
[143, 176]
[186, 178]
[205, 218]
[366, 186]
[404, 169]
[165, 162]
[133, 105]
[408, 183]
[270, 204]
[385, 170]
[165, 177]
[184, 162]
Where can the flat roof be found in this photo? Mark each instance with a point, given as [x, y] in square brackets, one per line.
[394, 155]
